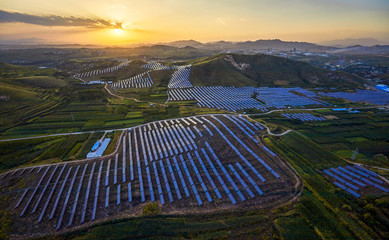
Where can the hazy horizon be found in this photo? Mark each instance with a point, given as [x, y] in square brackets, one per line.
[117, 22]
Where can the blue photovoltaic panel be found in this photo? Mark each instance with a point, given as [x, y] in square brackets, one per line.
[199, 178]
[248, 190]
[226, 190]
[366, 170]
[150, 184]
[77, 196]
[226, 173]
[107, 173]
[59, 194]
[107, 197]
[67, 199]
[178, 193]
[199, 201]
[381, 187]
[181, 176]
[129, 192]
[353, 193]
[33, 193]
[340, 185]
[158, 184]
[44, 189]
[96, 192]
[208, 175]
[166, 182]
[87, 193]
[241, 128]
[118, 195]
[249, 178]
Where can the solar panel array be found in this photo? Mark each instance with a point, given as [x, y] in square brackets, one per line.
[102, 71]
[169, 161]
[241, 98]
[139, 81]
[158, 66]
[354, 179]
[303, 117]
[283, 97]
[371, 96]
[180, 78]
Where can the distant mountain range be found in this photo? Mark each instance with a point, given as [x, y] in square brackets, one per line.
[252, 45]
[193, 48]
[342, 43]
[366, 46]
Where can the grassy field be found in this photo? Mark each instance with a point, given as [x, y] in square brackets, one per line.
[45, 150]
[366, 131]
[323, 206]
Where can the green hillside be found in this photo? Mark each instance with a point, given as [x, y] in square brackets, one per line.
[264, 70]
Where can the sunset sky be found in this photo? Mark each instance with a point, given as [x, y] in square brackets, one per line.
[116, 22]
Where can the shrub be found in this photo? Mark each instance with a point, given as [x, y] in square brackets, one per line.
[150, 209]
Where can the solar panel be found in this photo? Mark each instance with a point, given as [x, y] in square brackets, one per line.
[107, 173]
[115, 177]
[269, 151]
[357, 171]
[208, 130]
[171, 142]
[33, 193]
[226, 190]
[44, 189]
[340, 185]
[96, 192]
[248, 190]
[178, 193]
[106, 197]
[124, 160]
[366, 171]
[381, 188]
[199, 178]
[166, 182]
[181, 177]
[50, 195]
[237, 190]
[243, 124]
[67, 198]
[22, 197]
[118, 195]
[245, 146]
[194, 189]
[139, 170]
[198, 131]
[158, 184]
[150, 184]
[241, 128]
[208, 175]
[353, 193]
[249, 178]
[130, 157]
[165, 140]
[77, 196]
[87, 193]
[129, 192]
[59, 194]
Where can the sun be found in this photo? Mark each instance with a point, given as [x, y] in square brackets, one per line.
[118, 31]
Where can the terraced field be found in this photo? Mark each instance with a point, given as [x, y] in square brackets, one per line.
[189, 165]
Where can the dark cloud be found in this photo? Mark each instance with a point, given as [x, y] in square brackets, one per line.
[54, 20]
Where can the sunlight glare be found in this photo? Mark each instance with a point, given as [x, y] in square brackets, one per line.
[118, 31]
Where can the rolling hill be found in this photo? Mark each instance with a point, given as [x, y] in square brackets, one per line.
[264, 70]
